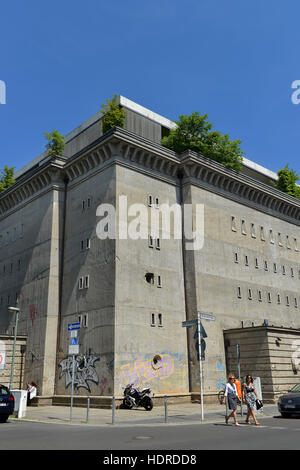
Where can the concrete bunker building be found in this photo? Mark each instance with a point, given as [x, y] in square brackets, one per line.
[131, 296]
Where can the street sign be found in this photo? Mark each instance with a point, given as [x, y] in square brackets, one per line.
[73, 349]
[74, 333]
[74, 341]
[74, 326]
[206, 316]
[189, 323]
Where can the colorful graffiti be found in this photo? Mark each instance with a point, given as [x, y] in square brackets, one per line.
[161, 367]
[84, 371]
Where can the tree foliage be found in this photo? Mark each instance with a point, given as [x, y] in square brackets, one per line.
[113, 114]
[194, 132]
[55, 144]
[287, 182]
[6, 178]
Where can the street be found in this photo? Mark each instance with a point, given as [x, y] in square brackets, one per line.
[275, 433]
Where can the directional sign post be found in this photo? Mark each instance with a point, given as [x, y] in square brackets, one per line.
[189, 324]
[73, 350]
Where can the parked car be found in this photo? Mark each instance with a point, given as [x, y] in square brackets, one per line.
[7, 403]
[289, 404]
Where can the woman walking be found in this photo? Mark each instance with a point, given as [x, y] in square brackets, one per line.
[231, 393]
[250, 397]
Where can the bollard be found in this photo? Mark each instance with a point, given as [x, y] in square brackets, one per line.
[113, 410]
[88, 410]
[166, 409]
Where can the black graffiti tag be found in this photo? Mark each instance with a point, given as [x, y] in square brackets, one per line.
[84, 371]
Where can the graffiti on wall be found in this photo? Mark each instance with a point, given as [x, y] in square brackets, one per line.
[221, 382]
[161, 367]
[84, 371]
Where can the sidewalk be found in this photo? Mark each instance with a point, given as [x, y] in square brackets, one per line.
[177, 414]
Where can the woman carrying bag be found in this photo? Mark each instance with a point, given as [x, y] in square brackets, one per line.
[250, 397]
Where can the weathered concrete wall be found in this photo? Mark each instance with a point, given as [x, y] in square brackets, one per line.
[31, 260]
[96, 303]
[269, 353]
[6, 355]
[214, 276]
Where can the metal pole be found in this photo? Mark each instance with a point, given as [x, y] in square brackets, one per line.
[14, 352]
[239, 373]
[88, 410]
[166, 409]
[113, 410]
[200, 366]
[72, 389]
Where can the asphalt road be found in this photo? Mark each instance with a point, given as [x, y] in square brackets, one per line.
[274, 433]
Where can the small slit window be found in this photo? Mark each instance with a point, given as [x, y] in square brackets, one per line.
[272, 237]
[253, 233]
[160, 320]
[250, 294]
[244, 228]
[150, 241]
[233, 223]
[152, 319]
[262, 234]
[259, 296]
[239, 292]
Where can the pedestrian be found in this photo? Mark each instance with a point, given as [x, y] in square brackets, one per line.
[250, 397]
[233, 398]
[31, 392]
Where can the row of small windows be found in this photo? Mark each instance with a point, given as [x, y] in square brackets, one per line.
[150, 278]
[156, 319]
[279, 298]
[85, 244]
[84, 282]
[10, 267]
[266, 266]
[12, 235]
[86, 204]
[154, 242]
[153, 202]
[10, 299]
[260, 231]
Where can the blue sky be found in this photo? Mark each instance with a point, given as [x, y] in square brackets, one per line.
[233, 60]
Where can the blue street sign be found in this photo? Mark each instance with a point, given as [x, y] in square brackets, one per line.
[74, 341]
[74, 326]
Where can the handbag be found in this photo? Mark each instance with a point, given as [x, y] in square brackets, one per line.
[259, 404]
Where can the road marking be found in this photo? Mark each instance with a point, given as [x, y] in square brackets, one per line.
[277, 427]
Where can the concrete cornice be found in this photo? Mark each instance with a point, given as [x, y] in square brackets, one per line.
[119, 145]
[49, 172]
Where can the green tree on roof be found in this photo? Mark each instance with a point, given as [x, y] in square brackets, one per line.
[194, 132]
[6, 178]
[55, 144]
[113, 114]
[287, 182]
